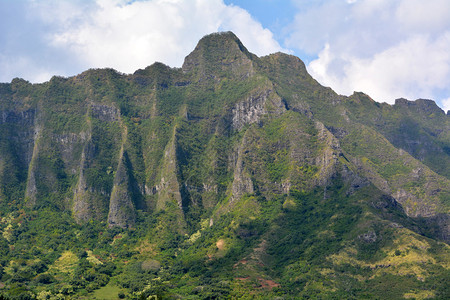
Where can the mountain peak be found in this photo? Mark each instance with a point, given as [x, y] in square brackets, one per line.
[219, 54]
[221, 41]
[222, 35]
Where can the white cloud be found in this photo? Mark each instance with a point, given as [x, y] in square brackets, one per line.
[19, 65]
[446, 104]
[413, 68]
[388, 49]
[129, 35]
[424, 16]
[53, 37]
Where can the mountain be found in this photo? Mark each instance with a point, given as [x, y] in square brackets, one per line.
[234, 176]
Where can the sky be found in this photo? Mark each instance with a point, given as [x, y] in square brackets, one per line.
[385, 48]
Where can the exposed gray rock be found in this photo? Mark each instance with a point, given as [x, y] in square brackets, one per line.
[251, 109]
[327, 161]
[31, 188]
[242, 183]
[121, 208]
[369, 237]
[105, 113]
[69, 145]
[169, 188]
[83, 198]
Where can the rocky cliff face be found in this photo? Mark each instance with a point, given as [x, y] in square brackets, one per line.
[121, 208]
[168, 189]
[227, 126]
[258, 104]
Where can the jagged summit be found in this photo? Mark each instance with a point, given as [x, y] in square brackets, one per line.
[218, 54]
[219, 39]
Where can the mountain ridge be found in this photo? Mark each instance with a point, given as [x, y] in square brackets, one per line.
[250, 110]
[230, 158]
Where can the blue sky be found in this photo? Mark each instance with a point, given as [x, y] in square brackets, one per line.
[385, 48]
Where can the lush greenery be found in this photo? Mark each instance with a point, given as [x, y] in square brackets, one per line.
[233, 177]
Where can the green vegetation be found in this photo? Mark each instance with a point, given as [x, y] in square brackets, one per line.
[242, 177]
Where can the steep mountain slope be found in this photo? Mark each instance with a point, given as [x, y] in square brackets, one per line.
[234, 175]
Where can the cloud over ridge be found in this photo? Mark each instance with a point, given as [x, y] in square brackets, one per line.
[127, 35]
[388, 49]
[385, 48]
[72, 36]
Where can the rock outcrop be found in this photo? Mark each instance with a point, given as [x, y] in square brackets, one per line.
[168, 189]
[258, 104]
[121, 208]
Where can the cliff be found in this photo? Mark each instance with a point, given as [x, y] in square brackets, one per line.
[237, 149]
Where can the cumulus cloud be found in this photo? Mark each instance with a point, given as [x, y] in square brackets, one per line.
[129, 35]
[52, 37]
[415, 67]
[388, 49]
[446, 104]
